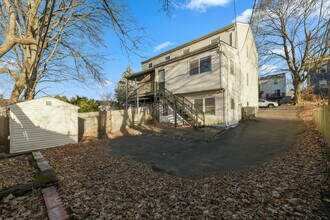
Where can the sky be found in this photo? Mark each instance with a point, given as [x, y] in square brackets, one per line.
[188, 20]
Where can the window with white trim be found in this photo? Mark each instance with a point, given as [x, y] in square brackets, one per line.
[231, 67]
[200, 66]
[207, 105]
[185, 51]
[215, 40]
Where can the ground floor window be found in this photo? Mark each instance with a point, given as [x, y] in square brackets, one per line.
[207, 105]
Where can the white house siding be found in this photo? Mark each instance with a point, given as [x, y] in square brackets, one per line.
[35, 125]
[217, 118]
[268, 85]
[238, 90]
[224, 36]
[248, 62]
[178, 80]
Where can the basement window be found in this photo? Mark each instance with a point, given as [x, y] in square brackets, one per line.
[207, 105]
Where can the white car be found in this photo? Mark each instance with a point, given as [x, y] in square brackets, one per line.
[267, 104]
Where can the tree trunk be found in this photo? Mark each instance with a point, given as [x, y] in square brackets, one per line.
[17, 91]
[297, 92]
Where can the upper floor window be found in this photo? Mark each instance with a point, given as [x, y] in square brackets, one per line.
[247, 79]
[185, 51]
[200, 66]
[323, 84]
[167, 57]
[150, 65]
[323, 69]
[231, 67]
[275, 82]
[231, 38]
[215, 40]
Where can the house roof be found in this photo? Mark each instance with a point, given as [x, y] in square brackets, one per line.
[203, 49]
[272, 76]
[43, 98]
[231, 26]
[141, 73]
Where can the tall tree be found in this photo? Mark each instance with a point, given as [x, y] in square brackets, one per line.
[58, 40]
[293, 35]
[120, 91]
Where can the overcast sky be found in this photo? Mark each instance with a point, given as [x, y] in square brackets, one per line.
[186, 22]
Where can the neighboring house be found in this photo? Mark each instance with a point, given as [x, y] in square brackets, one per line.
[320, 79]
[206, 81]
[272, 87]
[108, 105]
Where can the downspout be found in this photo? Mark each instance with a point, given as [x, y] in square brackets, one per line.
[223, 92]
[224, 97]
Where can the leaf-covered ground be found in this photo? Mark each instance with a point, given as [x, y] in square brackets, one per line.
[18, 170]
[31, 206]
[95, 185]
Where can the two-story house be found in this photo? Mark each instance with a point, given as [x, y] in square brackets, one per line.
[206, 81]
[320, 79]
[272, 87]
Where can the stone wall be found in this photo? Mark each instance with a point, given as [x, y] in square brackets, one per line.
[321, 117]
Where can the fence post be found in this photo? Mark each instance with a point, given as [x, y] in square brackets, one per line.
[328, 92]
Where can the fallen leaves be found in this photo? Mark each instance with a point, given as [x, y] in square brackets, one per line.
[25, 207]
[18, 171]
[95, 185]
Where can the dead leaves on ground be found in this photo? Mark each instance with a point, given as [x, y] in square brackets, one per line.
[95, 185]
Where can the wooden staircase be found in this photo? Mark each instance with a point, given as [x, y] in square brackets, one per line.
[183, 107]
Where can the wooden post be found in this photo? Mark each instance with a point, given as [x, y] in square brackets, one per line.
[175, 112]
[126, 93]
[328, 92]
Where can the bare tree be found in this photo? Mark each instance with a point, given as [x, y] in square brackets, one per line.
[120, 91]
[58, 40]
[293, 35]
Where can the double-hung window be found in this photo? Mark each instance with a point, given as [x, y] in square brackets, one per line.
[200, 66]
[207, 105]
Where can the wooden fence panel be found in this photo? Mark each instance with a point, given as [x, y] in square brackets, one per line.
[4, 130]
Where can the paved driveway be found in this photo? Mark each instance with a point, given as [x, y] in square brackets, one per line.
[250, 143]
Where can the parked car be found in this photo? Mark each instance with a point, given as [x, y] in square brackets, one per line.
[267, 104]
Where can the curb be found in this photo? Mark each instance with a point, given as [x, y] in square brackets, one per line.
[53, 202]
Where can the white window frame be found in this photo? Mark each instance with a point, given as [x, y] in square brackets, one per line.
[216, 38]
[183, 51]
[199, 65]
[204, 107]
